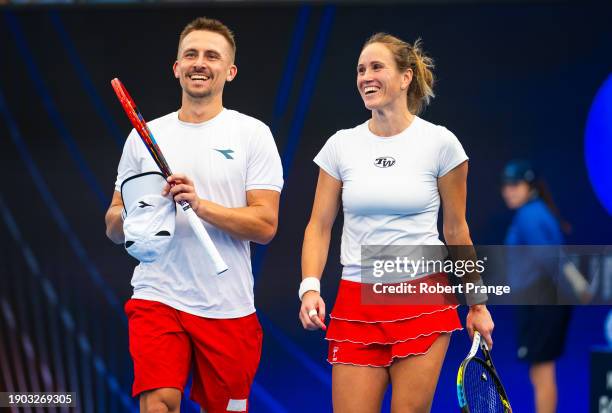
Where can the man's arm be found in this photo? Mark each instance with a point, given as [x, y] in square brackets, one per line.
[114, 222]
[256, 222]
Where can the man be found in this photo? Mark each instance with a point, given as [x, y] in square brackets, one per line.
[183, 314]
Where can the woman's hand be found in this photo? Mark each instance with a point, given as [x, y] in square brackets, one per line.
[312, 312]
[479, 319]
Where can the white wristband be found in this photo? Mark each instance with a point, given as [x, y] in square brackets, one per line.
[309, 284]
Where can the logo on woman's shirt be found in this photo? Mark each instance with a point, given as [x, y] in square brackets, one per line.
[384, 162]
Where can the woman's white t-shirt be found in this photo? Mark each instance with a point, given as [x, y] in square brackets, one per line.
[389, 185]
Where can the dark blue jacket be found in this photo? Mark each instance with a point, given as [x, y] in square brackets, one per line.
[534, 224]
[530, 269]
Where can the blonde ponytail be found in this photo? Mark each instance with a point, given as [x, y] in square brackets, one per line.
[410, 56]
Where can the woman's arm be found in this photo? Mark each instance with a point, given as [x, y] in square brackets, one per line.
[453, 192]
[316, 245]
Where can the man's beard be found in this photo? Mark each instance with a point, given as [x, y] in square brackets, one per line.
[198, 94]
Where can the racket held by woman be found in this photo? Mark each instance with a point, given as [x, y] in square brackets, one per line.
[479, 388]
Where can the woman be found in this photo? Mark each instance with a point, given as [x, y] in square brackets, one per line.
[391, 172]
[542, 328]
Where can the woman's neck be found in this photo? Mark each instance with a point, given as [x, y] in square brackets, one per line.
[390, 121]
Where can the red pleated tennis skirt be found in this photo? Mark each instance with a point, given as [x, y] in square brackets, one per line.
[376, 334]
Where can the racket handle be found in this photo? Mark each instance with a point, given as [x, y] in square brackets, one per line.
[481, 342]
[209, 247]
[475, 344]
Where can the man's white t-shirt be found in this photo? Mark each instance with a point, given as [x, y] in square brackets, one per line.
[389, 185]
[225, 157]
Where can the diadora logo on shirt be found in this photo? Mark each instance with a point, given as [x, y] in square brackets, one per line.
[143, 204]
[384, 162]
[226, 152]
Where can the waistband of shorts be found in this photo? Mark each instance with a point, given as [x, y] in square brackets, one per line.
[352, 303]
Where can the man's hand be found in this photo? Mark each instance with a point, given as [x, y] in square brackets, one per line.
[257, 221]
[181, 188]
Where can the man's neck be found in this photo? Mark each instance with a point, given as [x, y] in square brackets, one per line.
[199, 110]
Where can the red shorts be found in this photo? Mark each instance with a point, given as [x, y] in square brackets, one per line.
[166, 343]
[376, 334]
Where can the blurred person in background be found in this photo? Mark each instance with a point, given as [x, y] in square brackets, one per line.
[541, 328]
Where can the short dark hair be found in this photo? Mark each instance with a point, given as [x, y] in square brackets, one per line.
[210, 25]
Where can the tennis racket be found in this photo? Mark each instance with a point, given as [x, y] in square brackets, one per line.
[148, 139]
[479, 388]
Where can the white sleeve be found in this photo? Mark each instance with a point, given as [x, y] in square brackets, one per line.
[451, 153]
[264, 167]
[129, 164]
[328, 159]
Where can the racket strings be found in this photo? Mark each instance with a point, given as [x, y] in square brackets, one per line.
[481, 389]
